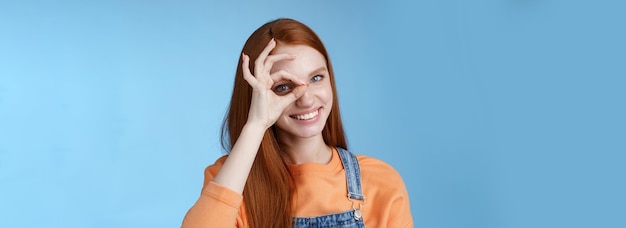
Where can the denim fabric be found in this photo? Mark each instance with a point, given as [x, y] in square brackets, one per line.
[348, 219]
[344, 219]
[353, 174]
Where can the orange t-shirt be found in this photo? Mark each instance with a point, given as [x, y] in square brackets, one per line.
[321, 190]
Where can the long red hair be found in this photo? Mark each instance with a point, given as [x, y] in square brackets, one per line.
[268, 192]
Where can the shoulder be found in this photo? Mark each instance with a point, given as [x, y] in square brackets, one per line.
[383, 186]
[374, 165]
[378, 172]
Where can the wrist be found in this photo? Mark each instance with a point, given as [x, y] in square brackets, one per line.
[253, 126]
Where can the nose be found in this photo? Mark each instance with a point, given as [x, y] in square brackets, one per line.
[306, 100]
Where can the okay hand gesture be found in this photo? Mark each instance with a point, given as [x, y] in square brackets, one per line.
[266, 106]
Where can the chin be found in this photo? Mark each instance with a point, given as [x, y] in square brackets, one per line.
[307, 132]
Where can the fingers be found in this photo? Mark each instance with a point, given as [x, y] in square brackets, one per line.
[270, 60]
[299, 86]
[294, 95]
[245, 68]
[263, 64]
[284, 75]
[259, 63]
[299, 91]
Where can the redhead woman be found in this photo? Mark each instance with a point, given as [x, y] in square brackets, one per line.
[289, 164]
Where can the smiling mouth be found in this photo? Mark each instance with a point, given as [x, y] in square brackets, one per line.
[307, 116]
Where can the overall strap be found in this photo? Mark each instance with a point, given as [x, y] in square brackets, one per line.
[353, 178]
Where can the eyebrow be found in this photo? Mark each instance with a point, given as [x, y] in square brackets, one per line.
[318, 70]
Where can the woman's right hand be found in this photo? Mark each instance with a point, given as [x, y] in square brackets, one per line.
[266, 106]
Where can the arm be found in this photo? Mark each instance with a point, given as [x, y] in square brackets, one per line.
[265, 108]
[220, 200]
[217, 206]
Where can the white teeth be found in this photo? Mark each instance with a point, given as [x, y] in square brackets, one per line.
[307, 116]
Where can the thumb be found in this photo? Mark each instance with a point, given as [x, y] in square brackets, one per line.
[294, 95]
[299, 91]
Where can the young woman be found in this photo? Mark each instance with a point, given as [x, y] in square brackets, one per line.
[288, 164]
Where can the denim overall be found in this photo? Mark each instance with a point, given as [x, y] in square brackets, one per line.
[348, 219]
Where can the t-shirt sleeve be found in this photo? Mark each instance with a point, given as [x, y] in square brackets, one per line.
[401, 207]
[388, 198]
[217, 206]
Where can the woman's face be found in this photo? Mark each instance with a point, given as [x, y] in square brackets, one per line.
[305, 117]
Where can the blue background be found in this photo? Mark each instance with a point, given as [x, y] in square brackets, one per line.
[497, 113]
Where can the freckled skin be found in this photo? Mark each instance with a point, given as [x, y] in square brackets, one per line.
[308, 66]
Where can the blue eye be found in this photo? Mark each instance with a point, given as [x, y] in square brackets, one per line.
[317, 78]
[282, 89]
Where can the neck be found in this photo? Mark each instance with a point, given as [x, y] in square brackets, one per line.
[305, 150]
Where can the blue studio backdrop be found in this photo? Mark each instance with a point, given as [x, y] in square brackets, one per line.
[497, 113]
